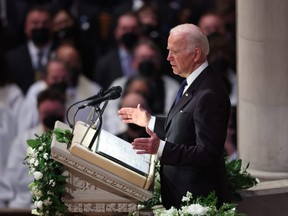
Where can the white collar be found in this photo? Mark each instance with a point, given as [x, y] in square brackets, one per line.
[190, 79]
[33, 50]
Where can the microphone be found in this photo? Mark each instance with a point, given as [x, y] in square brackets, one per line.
[111, 95]
[102, 92]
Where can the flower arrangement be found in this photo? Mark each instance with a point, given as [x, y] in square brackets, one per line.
[238, 180]
[47, 187]
[200, 206]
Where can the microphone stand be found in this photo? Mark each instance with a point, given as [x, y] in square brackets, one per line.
[98, 129]
[90, 118]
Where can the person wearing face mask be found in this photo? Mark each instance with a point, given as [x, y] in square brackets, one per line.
[132, 99]
[56, 76]
[118, 61]
[14, 182]
[29, 59]
[147, 62]
[80, 86]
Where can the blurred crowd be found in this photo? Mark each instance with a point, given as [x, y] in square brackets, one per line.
[54, 53]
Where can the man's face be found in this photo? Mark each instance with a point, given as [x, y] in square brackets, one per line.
[70, 56]
[145, 53]
[57, 73]
[181, 58]
[212, 24]
[49, 108]
[126, 24]
[37, 19]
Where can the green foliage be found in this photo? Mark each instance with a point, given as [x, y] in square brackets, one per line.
[238, 179]
[48, 185]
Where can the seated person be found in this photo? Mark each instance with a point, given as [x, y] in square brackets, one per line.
[14, 183]
[133, 131]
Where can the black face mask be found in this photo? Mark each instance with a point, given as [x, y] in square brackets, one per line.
[74, 75]
[40, 36]
[62, 86]
[147, 68]
[129, 40]
[49, 121]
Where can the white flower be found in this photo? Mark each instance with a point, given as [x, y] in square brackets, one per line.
[171, 212]
[46, 156]
[185, 199]
[37, 175]
[195, 209]
[40, 148]
[36, 192]
[50, 193]
[38, 204]
[32, 161]
[52, 183]
[30, 151]
[47, 202]
[36, 163]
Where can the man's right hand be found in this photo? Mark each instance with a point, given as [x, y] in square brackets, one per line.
[137, 115]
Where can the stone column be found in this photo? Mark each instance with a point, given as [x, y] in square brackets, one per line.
[262, 69]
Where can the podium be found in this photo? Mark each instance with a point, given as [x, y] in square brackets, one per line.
[98, 185]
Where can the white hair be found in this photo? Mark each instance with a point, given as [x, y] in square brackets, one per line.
[194, 37]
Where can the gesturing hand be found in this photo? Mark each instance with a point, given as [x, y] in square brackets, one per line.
[147, 145]
[137, 115]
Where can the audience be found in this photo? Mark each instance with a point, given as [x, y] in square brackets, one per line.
[29, 59]
[147, 62]
[136, 84]
[118, 62]
[57, 76]
[63, 48]
[10, 101]
[14, 181]
[132, 99]
[211, 23]
[79, 87]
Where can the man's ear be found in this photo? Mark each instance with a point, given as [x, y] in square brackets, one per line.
[197, 54]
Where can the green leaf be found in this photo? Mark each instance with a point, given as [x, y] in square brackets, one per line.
[62, 135]
[33, 143]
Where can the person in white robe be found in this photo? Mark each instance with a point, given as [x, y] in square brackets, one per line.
[15, 179]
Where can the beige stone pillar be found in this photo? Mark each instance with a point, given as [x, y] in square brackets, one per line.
[262, 67]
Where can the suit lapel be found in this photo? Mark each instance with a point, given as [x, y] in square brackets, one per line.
[186, 97]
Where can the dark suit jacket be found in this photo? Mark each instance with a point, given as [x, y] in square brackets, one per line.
[108, 68]
[195, 132]
[20, 66]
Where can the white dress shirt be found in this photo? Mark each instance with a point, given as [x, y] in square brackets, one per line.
[190, 79]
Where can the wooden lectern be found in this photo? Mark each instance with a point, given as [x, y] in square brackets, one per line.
[98, 183]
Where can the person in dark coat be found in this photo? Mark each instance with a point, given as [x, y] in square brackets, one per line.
[190, 139]
[26, 62]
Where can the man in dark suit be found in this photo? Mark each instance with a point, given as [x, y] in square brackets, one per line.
[190, 140]
[118, 62]
[26, 62]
